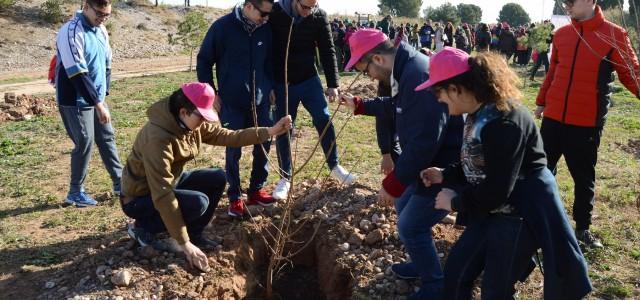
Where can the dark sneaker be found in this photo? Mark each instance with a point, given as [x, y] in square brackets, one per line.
[140, 235]
[405, 271]
[204, 243]
[585, 237]
[260, 197]
[80, 199]
[236, 208]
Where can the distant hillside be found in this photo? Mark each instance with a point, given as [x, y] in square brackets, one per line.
[137, 31]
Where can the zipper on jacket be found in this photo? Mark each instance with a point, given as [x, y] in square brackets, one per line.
[573, 66]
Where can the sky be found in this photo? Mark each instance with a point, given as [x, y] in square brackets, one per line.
[537, 9]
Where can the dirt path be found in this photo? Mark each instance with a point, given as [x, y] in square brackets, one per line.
[122, 69]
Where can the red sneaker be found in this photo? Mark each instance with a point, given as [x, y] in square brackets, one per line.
[260, 197]
[236, 208]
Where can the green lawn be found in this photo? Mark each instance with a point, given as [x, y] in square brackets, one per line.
[34, 173]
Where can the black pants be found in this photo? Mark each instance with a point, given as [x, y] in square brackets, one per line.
[543, 59]
[197, 192]
[579, 145]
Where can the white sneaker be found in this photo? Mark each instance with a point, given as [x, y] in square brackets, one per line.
[343, 176]
[282, 189]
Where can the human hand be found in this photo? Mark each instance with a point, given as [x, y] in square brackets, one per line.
[386, 165]
[539, 112]
[195, 257]
[384, 198]
[444, 198]
[431, 176]
[282, 126]
[347, 100]
[332, 94]
[103, 113]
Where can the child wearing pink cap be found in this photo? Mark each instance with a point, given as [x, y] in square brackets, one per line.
[155, 190]
[507, 195]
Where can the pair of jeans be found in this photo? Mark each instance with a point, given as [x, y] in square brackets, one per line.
[197, 192]
[579, 145]
[416, 216]
[500, 245]
[83, 127]
[311, 95]
[236, 118]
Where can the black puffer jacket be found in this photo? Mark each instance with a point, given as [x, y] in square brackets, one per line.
[308, 33]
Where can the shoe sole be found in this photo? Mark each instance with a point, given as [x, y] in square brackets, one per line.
[235, 215]
[258, 203]
[71, 202]
[405, 277]
[133, 236]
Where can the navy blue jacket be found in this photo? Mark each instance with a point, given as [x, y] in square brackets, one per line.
[565, 270]
[237, 54]
[428, 136]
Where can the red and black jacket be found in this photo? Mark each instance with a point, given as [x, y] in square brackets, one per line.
[577, 89]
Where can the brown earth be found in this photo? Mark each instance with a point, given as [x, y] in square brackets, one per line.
[23, 107]
[322, 270]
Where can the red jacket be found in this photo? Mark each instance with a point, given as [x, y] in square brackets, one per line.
[576, 91]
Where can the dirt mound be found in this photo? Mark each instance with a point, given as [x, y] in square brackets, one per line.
[365, 90]
[345, 245]
[25, 107]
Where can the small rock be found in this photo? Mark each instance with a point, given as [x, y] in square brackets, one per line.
[257, 218]
[344, 246]
[365, 225]
[148, 252]
[385, 226]
[374, 237]
[49, 285]
[356, 238]
[121, 278]
[402, 287]
[173, 267]
[100, 270]
[376, 253]
[10, 98]
[441, 255]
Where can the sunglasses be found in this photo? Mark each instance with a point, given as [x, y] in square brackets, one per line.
[263, 13]
[306, 7]
[99, 14]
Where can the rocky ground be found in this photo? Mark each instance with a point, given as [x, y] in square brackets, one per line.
[24, 107]
[349, 256]
[137, 31]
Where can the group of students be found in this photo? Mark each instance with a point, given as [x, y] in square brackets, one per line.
[465, 142]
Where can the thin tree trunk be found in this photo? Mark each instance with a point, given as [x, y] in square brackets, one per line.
[191, 60]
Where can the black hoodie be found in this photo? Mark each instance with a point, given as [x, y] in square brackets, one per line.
[307, 33]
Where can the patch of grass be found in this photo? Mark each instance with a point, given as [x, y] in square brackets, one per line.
[19, 79]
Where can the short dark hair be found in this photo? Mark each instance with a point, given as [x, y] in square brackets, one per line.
[179, 100]
[383, 48]
[98, 3]
[257, 2]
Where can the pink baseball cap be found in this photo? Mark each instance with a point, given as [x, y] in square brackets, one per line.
[361, 42]
[448, 63]
[202, 96]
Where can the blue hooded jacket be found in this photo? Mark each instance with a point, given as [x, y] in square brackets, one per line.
[237, 55]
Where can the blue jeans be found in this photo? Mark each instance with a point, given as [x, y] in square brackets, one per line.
[83, 127]
[416, 216]
[235, 118]
[198, 193]
[311, 94]
[500, 245]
